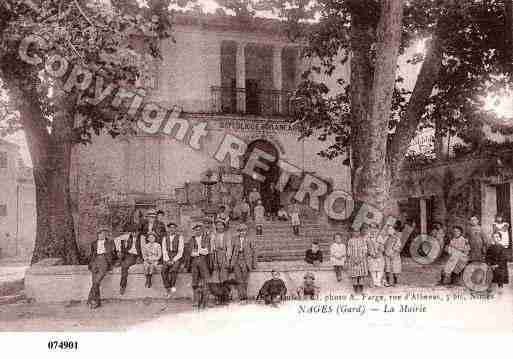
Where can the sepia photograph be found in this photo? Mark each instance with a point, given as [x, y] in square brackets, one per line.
[237, 168]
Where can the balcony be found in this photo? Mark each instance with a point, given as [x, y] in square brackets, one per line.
[232, 100]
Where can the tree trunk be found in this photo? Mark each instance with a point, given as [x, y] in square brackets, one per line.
[55, 229]
[373, 183]
[51, 158]
[362, 37]
[55, 235]
[508, 35]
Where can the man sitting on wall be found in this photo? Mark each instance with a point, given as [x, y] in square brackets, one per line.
[103, 253]
[172, 255]
[131, 253]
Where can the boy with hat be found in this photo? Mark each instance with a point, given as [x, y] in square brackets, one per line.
[243, 260]
[103, 253]
[131, 253]
[172, 254]
[274, 290]
[151, 252]
[200, 261]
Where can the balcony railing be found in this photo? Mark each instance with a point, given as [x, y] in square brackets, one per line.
[231, 100]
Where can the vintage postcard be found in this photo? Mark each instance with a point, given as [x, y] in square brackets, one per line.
[201, 167]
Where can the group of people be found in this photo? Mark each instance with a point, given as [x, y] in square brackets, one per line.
[211, 255]
[477, 247]
[372, 253]
[252, 208]
[364, 254]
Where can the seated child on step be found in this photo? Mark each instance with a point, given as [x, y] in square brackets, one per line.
[308, 290]
[314, 255]
[282, 214]
[151, 252]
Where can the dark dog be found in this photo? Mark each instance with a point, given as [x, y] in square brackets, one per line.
[220, 291]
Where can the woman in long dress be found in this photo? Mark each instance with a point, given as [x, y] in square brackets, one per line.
[496, 258]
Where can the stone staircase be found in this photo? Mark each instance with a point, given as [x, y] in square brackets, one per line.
[278, 242]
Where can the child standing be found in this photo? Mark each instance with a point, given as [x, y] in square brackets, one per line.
[392, 253]
[357, 251]
[496, 258]
[151, 251]
[259, 217]
[503, 228]
[294, 218]
[376, 258]
[338, 255]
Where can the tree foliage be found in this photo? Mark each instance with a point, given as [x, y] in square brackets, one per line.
[469, 34]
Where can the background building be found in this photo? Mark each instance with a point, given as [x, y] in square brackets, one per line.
[17, 204]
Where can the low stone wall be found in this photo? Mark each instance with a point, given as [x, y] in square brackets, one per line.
[60, 283]
[65, 283]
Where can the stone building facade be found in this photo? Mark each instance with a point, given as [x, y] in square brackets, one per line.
[232, 77]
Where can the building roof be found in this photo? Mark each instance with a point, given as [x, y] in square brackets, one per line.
[231, 23]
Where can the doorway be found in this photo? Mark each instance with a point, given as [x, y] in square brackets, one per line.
[270, 196]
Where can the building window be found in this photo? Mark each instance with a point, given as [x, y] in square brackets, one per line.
[3, 159]
[3, 210]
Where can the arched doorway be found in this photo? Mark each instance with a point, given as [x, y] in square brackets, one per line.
[270, 196]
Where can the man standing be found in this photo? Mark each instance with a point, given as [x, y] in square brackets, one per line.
[131, 253]
[172, 254]
[477, 240]
[243, 260]
[200, 261]
[253, 198]
[103, 252]
[152, 224]
[222, 252]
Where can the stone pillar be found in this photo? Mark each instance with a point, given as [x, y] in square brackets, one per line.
[277, 76]
[423, 216]
[241, 76]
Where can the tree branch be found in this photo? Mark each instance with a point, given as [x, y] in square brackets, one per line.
[407, 127]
